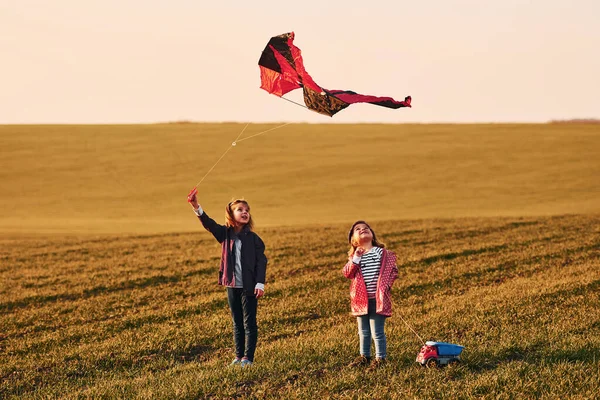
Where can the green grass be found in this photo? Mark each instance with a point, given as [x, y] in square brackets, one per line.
[134, 178]
[142, 316]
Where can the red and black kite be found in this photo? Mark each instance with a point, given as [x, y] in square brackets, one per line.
[282, 70]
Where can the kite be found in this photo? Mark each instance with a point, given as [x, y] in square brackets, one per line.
[282, 70]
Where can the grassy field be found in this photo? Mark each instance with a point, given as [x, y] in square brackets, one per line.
[142, 317]
[134, 178]
[108, 282]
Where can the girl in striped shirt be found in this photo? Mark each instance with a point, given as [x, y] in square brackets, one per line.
[372, 270]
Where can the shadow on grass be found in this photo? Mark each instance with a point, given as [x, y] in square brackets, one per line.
[156, 359]
[197, 352]
[464, 253]
[406, 237]
[140, 283]
[533, 355]
[493, 275]
[76, 368]
[139, 322]
[557, 298]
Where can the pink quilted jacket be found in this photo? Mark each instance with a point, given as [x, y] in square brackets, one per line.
[359, 301]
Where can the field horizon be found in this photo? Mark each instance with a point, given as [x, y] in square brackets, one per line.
[134, 178]
[108, 280]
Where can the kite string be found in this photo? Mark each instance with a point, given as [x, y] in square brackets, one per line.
[234, 143]
[292, 101]
[223, 155]
[277, 127]
[211, 168]
[249, 137]
[243, 130]
[260, 133]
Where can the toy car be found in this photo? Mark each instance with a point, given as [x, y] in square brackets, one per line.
[435, 354]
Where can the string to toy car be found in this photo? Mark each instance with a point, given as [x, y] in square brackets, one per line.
[435, 354]
[411, 328]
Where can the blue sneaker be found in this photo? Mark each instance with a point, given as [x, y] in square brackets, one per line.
[236, 361]
[245, 362]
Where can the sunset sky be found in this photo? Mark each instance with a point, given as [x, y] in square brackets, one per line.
[134, 61]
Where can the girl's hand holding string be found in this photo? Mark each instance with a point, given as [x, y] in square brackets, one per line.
[192, 199]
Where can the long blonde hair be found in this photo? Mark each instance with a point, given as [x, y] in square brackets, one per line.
[353, 246]
[230, 220]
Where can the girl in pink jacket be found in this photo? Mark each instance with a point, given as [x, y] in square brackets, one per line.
[372, 270]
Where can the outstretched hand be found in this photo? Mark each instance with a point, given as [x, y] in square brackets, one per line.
[192, 198]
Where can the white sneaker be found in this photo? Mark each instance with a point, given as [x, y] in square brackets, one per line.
[245, 362]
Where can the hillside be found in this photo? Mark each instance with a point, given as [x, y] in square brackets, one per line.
[134, 178]
[142, 317]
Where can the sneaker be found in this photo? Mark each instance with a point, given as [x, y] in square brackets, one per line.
[245, 362]
[360, 361]
[236, 361]
[377, 363]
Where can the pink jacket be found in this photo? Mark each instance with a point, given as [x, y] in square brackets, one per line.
[359, 301]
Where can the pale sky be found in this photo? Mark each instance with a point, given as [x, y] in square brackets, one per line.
[138, 61]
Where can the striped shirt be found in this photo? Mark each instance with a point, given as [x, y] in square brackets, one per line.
[370, 264]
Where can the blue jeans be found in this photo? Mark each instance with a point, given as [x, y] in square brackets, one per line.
[243, 313]
[372, 325]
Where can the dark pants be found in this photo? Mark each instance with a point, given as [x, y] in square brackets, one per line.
[243, 314]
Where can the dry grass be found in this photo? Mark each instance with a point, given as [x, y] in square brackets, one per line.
[142, 316]
[134, 178]
[108, 284]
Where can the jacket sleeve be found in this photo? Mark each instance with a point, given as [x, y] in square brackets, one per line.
[218, 231]
[394, 270]
[261, 260]
[350, 269]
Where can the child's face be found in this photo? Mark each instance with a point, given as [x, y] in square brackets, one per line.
[362, 234]
[241, 213]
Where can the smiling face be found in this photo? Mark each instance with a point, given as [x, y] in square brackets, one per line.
[241, 213]
[237, 214]
[361, 234]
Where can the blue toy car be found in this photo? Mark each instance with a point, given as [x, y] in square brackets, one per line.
[435, 354]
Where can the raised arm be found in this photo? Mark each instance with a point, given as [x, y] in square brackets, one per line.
[218, 231]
